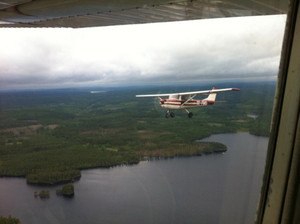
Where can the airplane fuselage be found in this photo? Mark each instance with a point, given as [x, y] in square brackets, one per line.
[181, 104]
[185, 100]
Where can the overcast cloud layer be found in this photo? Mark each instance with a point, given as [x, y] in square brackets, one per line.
[232, 48]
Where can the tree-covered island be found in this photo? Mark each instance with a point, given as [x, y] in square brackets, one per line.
[66, 191]
[48, 136]
[9, 220]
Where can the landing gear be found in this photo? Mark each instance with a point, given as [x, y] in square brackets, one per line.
[190, 114]
[167, 115]
[170, 114]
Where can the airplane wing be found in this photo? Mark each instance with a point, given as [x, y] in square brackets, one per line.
[202, 92]
[93, 13]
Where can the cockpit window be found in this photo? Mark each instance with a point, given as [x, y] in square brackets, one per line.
[86, 121]
[173, 96]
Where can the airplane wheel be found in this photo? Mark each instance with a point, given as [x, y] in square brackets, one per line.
[172, 114]
[190, 115]
[167, 115]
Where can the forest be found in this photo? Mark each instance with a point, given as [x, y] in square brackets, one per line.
[48, 136]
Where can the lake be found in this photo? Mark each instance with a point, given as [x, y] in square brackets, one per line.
[214, 188]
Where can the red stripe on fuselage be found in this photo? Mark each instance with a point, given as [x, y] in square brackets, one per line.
[175, 102]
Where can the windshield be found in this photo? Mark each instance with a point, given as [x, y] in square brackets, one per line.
[89, 151]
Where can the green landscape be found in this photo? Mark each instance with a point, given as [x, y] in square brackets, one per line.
[48, 136]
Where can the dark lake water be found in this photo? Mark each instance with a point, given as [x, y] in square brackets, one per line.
[215, 188]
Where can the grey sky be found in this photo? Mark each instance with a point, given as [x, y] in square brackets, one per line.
[232, 48]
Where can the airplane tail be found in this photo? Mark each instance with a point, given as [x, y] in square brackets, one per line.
[212, 96]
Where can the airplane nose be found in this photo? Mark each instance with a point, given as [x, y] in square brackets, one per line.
[162, 101]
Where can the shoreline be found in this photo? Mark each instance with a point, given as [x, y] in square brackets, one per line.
[193, 149]
[54, 178]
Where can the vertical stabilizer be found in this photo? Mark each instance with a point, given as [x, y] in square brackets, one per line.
[212, 96]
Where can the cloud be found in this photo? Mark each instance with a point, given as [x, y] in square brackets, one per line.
[230, 48]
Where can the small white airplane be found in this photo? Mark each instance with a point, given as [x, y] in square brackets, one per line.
[176, 101]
